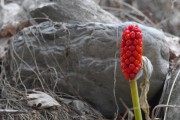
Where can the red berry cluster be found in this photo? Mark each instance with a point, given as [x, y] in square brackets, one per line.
[131, 51]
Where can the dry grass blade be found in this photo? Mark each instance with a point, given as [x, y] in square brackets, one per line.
[115, 69]
[160, 106]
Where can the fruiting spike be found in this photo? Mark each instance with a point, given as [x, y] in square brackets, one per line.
[131, 51]
[131, 62]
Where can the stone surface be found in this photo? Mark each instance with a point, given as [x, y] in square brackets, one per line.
[172, 25]
[158, 10]
[170, 94]
[73, 11]
[29, 5]
[80, 59]
[11, 14]
[164, 13]
[174, 96]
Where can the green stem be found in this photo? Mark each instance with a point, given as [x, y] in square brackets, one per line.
[135, 99]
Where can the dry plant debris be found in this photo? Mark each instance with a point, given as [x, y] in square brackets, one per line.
[41, 100]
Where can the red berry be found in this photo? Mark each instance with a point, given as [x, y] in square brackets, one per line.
[135, 53]
[136, 62]
[123, 66]
[135, 42]
[123, 58]
[131, 75]
[127, 61]
[137, 30]
[139, 57]
[140, 43]
[123, 36]
[127, 36]
[126, 31]
[128, 53]
[131, 66]
[132, 59]
[132, 34]
[130, 27]
[138, 35]
[128, 42]
[127, 70]
[138, 49]
[139, 65]
[125, 48]
[126, 74]
[131, 48]
[136, 70]
[122, 52]
[122, 44]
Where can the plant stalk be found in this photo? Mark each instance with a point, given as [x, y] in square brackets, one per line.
[135, 99]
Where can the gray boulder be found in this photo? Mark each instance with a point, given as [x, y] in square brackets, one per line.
[29, 5]
[164, 13]
[170, 95]
[11, 14]
[73, 11]
[173, 96]
[80, 59]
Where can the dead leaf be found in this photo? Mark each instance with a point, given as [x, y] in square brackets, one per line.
[41, 100]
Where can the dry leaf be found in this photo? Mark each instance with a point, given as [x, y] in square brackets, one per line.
[41, 100]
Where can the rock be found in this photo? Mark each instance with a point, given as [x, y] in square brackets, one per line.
[79, 105]
[73, 11]
[157, 10]
[170, 94]
[96, 1]
[11, 14]
[172, 25]
[165, 14]
[174, 44]
[30, 5]
[174, 96]
[80, 59]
